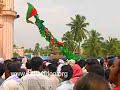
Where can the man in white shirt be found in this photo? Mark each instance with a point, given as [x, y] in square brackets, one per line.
[12, 82]
[36, 80]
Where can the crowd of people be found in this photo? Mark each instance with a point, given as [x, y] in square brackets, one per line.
[37, 74]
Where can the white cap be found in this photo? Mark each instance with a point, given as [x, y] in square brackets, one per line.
[47, 63]
[71, 62]
[2, 60]
[61, 61]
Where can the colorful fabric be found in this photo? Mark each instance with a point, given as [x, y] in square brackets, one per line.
[31, 12]
[77, 73]
[47, 34]
[117, 88]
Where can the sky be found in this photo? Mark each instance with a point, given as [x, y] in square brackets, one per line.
[103, 16]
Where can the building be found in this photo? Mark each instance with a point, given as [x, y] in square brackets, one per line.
[55, 54]
[19, 51]
[7, 17]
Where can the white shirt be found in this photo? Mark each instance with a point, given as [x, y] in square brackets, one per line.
[35, 81]
[54, 80]
[11, 83]
[66, 85]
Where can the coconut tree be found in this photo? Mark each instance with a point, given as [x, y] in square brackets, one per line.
[37, 49]
[112, 45]
[69, 41]
[93, 45]
[78, 29]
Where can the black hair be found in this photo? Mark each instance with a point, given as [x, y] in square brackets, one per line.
[102, 62]
[110, 63]
[36, 62]
[14, 66]
[28, 64]
[92, 61]
[67, 69]
[81, 63]
[52, 67]
[2, 69]
[97, 69]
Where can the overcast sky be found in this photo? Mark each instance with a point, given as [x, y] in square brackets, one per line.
[103, 16]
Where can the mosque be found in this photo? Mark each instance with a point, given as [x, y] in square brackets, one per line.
[7, 17]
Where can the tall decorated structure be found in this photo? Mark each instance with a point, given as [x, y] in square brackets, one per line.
[7, 17]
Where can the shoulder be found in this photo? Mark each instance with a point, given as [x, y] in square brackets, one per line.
[9, 84]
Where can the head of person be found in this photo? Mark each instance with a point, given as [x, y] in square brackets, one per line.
[92, 81]
[102, 61]
[114, 75]
[36, 64]
[2, 69]
[81, 63]
[66, 72]
[77, 71]
[97, 69]
[52, 68]
[2, 60]
[71, 62]
[90, 62]
[7, 72]
[14, 68]
[110, 63]
[28, 64]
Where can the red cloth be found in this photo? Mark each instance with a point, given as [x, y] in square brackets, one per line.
[77, 73]
[116, 88]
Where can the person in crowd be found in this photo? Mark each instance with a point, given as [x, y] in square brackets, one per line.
[6, 74]
[114, 76]
[97, 69]
[36, 80]
[107, 70]
[91, 81]
[2, 70]
[60, 64]
[52, 68]
[71, 62]
[14, 73]
[66, 75]
[2, 60]
[77, 73]
[81, 63]
[28, 66]
[90, 62]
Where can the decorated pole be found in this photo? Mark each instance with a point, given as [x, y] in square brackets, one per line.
[47, 34]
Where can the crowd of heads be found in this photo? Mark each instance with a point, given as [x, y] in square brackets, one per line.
[91, 74]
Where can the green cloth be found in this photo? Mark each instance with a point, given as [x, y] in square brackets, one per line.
[30, 12]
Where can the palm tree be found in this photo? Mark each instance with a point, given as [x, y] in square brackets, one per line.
[92, 45]
[78, 28]
[37, 49]
[113, 46]
[69, 42]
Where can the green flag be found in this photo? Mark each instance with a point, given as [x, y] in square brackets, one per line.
[31, 12]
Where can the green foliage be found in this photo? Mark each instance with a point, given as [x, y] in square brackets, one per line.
[37, 49]
[16, 54]
[92, 45]
[69, 42]
[78, 29]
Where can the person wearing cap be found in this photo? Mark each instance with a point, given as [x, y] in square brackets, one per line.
[2, 60]
[61, 63]
[71, 62]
